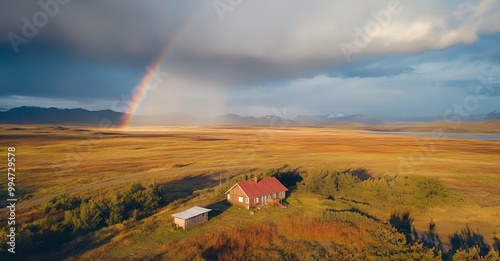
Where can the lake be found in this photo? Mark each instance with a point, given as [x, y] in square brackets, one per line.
[448, 135]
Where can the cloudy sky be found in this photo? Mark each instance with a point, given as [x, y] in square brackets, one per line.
[253, 57]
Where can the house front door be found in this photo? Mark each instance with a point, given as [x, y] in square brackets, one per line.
[264, 200]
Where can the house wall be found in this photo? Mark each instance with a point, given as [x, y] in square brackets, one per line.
[191, 222]
[281, 195]
[234, 194]
[180, 222]
[253, 204]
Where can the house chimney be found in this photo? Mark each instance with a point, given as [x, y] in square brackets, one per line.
[255, 178]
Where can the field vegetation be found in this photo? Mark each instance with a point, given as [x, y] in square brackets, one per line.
[87, 193]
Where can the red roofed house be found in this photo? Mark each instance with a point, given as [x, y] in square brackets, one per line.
[251, 194]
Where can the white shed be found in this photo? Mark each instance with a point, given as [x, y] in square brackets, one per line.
[191, 217]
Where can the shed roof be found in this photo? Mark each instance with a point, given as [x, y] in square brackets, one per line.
[263, 187]
[192, 212]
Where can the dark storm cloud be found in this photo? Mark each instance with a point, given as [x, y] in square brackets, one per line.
[241, 71]
[99, 29]
[50, 74]
[101, 49]
[87, 50]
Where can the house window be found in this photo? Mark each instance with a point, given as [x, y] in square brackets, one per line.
[228, 196]
[256, 200]
[240, 199]
[247, 200]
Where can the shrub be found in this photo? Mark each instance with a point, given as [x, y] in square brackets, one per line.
[473, 254]
[138, 200]
[86, 217]
[385, 192]
[61, 203]
[469, 240]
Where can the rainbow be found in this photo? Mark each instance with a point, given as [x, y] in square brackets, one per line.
[139, 93]
[141, 90]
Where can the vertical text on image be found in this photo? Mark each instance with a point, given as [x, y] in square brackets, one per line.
[11, 199]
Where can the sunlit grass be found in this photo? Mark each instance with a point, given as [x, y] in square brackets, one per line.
[56, 161]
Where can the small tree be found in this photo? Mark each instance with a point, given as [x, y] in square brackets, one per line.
[85, 218]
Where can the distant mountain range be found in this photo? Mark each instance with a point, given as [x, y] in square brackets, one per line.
[494, 115]
[337, 117]
[37, 115]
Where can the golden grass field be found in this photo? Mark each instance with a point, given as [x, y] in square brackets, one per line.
[93, 161]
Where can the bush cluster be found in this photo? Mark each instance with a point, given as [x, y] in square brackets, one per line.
[65, 217]
[417, 192]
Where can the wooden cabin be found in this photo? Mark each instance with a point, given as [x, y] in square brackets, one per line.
[191, 217]
[254, 193]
